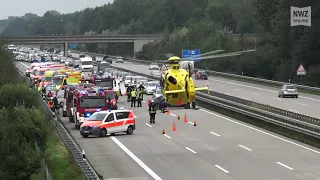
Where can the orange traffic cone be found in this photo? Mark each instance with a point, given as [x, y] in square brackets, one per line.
[185, 118]
[168, 111]
[174, 128]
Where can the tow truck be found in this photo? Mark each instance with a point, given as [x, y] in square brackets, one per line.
[83, 103]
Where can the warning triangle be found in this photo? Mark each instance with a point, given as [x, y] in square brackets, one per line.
[301, 68]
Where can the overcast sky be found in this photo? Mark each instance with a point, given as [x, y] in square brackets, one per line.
[20, 7]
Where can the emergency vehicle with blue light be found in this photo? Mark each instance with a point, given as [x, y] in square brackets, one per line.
[109, 122]
[83, 102]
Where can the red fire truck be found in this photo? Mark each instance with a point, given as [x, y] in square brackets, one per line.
[107, 85]
[83, 102]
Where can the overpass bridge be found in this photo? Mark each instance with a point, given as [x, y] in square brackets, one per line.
[137, 40]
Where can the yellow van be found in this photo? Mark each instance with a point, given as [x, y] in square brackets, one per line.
[46, 79]
[69, 77]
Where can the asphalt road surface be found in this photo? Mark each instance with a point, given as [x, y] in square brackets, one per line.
[306, 104]
[219, 147]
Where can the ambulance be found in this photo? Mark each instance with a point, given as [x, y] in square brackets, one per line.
[67, 78]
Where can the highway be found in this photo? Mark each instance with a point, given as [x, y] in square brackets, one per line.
[219, 147]
[306, 104]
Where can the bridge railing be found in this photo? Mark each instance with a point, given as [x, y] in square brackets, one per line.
[81, 36]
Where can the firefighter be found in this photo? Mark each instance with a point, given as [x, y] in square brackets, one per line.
[141, 88]
[109, 103]
[133, 98]
[50, 105]
[55, 104]
[140, 98]
[152, 112]
[129, 89]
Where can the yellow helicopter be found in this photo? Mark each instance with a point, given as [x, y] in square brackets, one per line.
[177, 85]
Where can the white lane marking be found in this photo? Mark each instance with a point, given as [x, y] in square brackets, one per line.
[276, 98]
[228, 94]
[214, 133]
[245, 147]
[172, 114]
[263, 132]
[219, 167]
[288, 167]
[301, 104]
[24, 64]
[167, 136]
[191, 150]
[237, 89]
[256, 94]
[135, 117]
[135, 158]
[259, 88]
[190, 122]
[293, 110]
[148, 124]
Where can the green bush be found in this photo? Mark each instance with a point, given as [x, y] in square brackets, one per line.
[19, 131]
[17, 95]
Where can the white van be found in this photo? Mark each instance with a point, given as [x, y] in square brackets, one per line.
[86, 64]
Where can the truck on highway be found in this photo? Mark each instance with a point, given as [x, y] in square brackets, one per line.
[86, 64]
[83, 102]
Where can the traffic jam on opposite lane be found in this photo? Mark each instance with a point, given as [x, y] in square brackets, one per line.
[218, 147]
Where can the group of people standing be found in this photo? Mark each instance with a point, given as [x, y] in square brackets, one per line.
[135, 94]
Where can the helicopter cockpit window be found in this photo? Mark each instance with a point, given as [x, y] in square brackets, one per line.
[176, 67]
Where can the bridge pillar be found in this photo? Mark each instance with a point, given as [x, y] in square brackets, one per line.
[66, 49]
[138, 44]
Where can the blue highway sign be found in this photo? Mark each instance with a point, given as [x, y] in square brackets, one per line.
[72, 46]
[191, 55]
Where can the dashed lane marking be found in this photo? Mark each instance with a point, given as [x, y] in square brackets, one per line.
[167, 136]
[245, 147]
[288, 167]
[263, 132]
[222, 169]
[215, 134]
[191, 150]
[148, 124]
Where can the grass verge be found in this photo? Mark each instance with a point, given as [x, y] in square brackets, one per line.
[60, 162]
[59, 120]
[265, 125]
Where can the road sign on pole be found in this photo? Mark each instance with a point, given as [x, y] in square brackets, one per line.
[301, 71]
[191, 55]
[72, 46]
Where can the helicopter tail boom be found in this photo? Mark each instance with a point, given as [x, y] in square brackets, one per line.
[201, 88]
[175, 91]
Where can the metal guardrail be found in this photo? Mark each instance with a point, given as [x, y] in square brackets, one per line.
[87, 170]
[298, 122]
[85, 36]
[216, 73]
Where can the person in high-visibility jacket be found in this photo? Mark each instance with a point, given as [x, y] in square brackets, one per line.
[152, 112]
[133, 98]
[140, 98]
